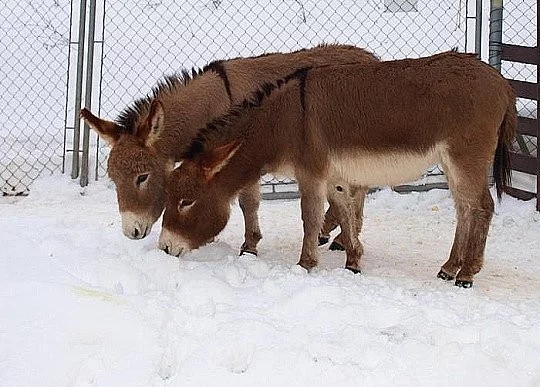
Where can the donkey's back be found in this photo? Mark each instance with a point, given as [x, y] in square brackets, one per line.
[385, 123]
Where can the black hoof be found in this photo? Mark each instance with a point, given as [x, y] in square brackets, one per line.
[355, 270]
[242, 252]
[447, 277]
[336, 247]
[463, 284]
[323, 240]
[245, 250]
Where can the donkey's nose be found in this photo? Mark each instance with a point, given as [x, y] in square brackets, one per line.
[135, 233]
[166, 249]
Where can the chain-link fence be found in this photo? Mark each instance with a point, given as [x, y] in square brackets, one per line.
[144, 40]
[137, 42]
[34, 38]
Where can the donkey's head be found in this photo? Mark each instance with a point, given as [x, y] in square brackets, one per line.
[197, 209]
[135, 167]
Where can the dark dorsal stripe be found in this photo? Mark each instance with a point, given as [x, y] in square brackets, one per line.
[128, 118]
[219, 69]
[302, 75]
[219, 125]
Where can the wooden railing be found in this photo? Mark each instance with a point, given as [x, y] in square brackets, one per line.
[525, 162]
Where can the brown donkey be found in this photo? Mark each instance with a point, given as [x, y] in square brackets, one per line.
[141, 157]
[373, 124]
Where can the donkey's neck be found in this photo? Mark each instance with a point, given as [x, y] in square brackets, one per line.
[265, 136]
[238, 174]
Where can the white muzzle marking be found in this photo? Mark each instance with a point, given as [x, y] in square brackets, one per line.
[172, 243]
[136, 226]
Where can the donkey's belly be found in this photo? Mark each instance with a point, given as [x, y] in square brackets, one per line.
[376, 169]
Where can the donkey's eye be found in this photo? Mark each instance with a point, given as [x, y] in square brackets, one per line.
[339, 188]
[184, 203]
[141, 179]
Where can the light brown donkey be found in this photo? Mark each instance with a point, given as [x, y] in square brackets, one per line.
[142, 157]
[373, 124]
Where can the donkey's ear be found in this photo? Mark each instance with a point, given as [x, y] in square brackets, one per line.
[214, 160]
[107, 130]
[151, 132]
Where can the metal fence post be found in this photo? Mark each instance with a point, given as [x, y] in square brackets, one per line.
[88, 91]
[495, 33]
[478, 28]
[78, 91]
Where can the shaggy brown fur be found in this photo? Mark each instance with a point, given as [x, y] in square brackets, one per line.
[371, 124]
[142, 157]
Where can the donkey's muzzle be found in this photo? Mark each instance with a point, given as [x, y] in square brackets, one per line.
[171, 251]
[137, 232]
[135, 226]
[172, 244]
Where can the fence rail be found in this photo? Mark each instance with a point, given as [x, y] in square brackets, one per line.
[514, 50]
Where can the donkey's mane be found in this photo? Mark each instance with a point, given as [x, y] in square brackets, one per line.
[222, 127]
[130, 116]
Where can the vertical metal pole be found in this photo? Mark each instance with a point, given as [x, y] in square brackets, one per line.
[88, 92]
[78, 91]
[495, 33]
[466, 22]
[100, 82]
[478, 29]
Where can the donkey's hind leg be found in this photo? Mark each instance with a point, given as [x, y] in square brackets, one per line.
[474, 208]
[249, 199]
[478, 219]
[450, 269]
[312, 193]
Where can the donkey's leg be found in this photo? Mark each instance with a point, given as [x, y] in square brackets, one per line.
[357, 196]
[339, 196]
[474, 208]
[249, 204]
[312, 194]
[329, 225]
[345, 209]
[451, 267]
[478, 219]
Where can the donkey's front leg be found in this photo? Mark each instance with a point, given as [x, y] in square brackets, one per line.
[329, 225]
[249, 204]
[354, 196]
[312, 194]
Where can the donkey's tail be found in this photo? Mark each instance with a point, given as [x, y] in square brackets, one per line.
[501, 162]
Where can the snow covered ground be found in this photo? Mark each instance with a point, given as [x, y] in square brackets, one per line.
[81, 305]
